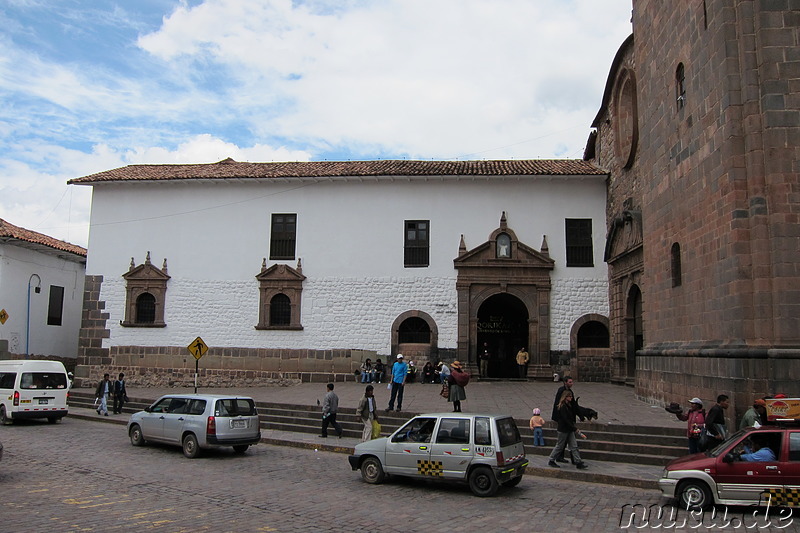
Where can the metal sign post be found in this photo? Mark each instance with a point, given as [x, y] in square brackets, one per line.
[198, 349]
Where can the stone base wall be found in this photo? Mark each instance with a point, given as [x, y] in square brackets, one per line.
[170, 366]
[742, 374]
[593, 364]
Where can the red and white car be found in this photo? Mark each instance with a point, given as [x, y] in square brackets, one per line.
[720, 476]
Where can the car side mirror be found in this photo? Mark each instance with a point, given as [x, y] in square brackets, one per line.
[729, 458]
[148, 409]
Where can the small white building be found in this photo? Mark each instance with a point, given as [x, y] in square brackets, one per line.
[41, 294]
[303, 269]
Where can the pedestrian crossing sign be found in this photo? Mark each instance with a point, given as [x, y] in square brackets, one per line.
[197, 348]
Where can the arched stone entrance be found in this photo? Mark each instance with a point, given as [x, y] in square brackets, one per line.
[503, 290]
[415, 335]
[590, 343]
[503, 326]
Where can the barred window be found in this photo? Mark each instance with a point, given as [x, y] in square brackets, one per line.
[280, 310]
[414, 330]
[283, 236]
[145, 308]
[579, 242]
[417, 243]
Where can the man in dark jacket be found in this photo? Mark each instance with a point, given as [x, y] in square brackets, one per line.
[555, 416]
[120, 394]
[715, 421]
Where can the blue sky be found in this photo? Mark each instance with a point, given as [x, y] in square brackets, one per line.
[90, 85]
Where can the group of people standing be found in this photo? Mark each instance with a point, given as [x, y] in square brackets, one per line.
[706, 430]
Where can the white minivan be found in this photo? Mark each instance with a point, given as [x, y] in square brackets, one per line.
[33, 389]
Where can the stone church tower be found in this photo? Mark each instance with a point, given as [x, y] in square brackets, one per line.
[699, 129]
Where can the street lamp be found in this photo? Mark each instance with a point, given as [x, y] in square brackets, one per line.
[36, 289]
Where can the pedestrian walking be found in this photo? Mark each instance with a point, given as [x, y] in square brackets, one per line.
[120, 394]
[330, 406]
[457, 382]
[568, 432]
[567, 386]
[695, 419]
[399, 376]
[104, 388]
[537, 425]
[367, 411]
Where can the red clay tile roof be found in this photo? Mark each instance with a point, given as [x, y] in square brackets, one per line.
[10, 232]
[230, 169]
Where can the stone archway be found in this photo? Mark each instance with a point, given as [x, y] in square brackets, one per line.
[589, 340]
[514, 272]
[419, 348]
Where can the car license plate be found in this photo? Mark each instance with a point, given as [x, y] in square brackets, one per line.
[43, 401]
[239, 424]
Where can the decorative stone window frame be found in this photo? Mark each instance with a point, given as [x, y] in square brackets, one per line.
[280, 279]
[141, 279]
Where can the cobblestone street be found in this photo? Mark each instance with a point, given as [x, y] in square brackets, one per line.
[85, 476]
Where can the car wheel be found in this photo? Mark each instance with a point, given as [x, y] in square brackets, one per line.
[4, 420]
[241, 448]
[372, 471]
[52, 419]
[190, 447]
[482, 482]
[137, 438]
[695, 495]
[512, 482]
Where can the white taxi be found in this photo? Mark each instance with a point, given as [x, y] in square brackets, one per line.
[484, 450]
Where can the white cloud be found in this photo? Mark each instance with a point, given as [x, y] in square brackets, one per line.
[266, 80]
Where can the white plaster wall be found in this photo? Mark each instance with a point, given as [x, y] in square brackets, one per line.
[350, 240]
[16, 267]
[570, 299]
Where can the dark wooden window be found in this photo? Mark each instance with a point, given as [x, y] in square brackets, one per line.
[145, 308]
[675, 264]
[283, 237]
[280, 310]
[414, 330]
[579, 242]
[417, 243]
[680, 86]
[55, 309]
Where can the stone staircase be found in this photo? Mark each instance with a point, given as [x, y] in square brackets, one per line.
[642, 445]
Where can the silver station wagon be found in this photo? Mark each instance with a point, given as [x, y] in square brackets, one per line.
[197, 421]
[486, 451]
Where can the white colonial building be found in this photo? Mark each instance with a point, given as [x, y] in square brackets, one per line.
[303, 269]
[41, 294]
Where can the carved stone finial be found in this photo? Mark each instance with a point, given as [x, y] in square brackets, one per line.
[299, 265]
[462, 247]
[133, 265]
[147, 259]
[164, 266]
[503, 221]
[263, 264]
[545, 250]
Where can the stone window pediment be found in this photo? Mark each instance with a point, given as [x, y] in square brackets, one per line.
[146, 291]
[280, 290]
[503, 250]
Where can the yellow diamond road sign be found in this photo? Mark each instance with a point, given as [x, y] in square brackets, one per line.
[3, 316]
[197, 348]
